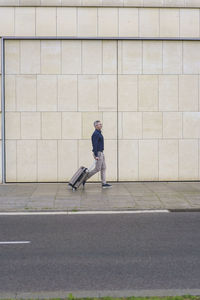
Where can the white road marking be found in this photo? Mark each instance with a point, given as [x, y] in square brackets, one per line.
[14, 242]
[83, 212]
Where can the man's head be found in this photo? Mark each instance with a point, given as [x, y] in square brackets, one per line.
[97, 124]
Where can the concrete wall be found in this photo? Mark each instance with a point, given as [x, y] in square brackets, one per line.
[148, 90]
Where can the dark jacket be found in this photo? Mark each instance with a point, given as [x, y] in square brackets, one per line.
[97, 141]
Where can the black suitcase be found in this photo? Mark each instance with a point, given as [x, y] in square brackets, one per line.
[80, 175]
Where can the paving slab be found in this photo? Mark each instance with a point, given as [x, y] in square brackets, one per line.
[122, 195]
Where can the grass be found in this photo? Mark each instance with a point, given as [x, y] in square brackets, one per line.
[71, 297]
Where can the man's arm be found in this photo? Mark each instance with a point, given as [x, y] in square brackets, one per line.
[94, 143]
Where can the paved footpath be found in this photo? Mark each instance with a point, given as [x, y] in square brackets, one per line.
[122, 196]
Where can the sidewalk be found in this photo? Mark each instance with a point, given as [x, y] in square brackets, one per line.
[122, 196]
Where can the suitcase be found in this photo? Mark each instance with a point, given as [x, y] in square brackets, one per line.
[80, 175]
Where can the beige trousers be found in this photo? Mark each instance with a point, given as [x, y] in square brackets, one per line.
[99, 166]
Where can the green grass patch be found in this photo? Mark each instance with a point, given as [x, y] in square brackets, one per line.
[71, 297]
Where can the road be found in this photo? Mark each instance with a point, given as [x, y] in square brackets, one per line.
[155, 251]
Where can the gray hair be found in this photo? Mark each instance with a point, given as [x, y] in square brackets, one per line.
[96, 122]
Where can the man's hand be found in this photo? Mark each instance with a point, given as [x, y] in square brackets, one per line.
[97, 158]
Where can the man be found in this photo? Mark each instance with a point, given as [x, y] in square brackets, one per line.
[98, 147]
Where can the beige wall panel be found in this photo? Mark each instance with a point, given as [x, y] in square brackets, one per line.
[71, 57]
[88, 119]
[92, 57]
[87, 92]
[127, 92]
[109, 57]
[148, 92]
[193, 3]
[104, 3]
[87, 21]
[152, 125]
[0, 92]
[112, 2]
[46, 21]
[25, 21]
[172, 125]
[9, 2]
[174, 3]
[71, 125]
[30, 125]
[67, 92]
[71, 2]
[109, 129]
[172, 57]
[10, 103]
[0, 162]
[128, 22]
[149, 22]
[67, 159]
[50, 57]
[51, 2]
[148, 160]
[169, 22]
[188, 159]
[12, 125]
[152, 57]
[168, 92]
[191, 125]
[47, 160]
[30, 57]
[131, 57]
[120, 122]
[191, 57]
[189, 22]
[66, 21]
[153, 2]
[107, 22]
[26, 161]
[7, 21]
[46, 92]
[188, 92]
[110, 153]
[128, 160]
[108, 92]
[168, 159]
[29, 3]
[12, 57]
[91, 2]
[86, 158]
[133, 2]
[51, 125]
[132, 125]
[11, 160]
[25, 92]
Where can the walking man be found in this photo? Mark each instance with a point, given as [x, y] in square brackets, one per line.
[98, 147]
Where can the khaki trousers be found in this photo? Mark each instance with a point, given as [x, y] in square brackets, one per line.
[99, 166]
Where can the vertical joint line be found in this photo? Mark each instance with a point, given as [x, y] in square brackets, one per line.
[3, 109]
[117, 118]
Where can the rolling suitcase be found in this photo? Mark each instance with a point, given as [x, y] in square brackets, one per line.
[80, 175]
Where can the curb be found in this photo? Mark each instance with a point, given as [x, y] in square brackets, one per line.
[86, 212]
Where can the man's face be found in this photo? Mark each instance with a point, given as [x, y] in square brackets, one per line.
[99, 126]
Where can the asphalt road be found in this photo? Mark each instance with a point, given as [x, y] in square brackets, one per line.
[100, 252]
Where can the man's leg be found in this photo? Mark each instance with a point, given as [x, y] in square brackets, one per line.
[103, 170]
[97, 166]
